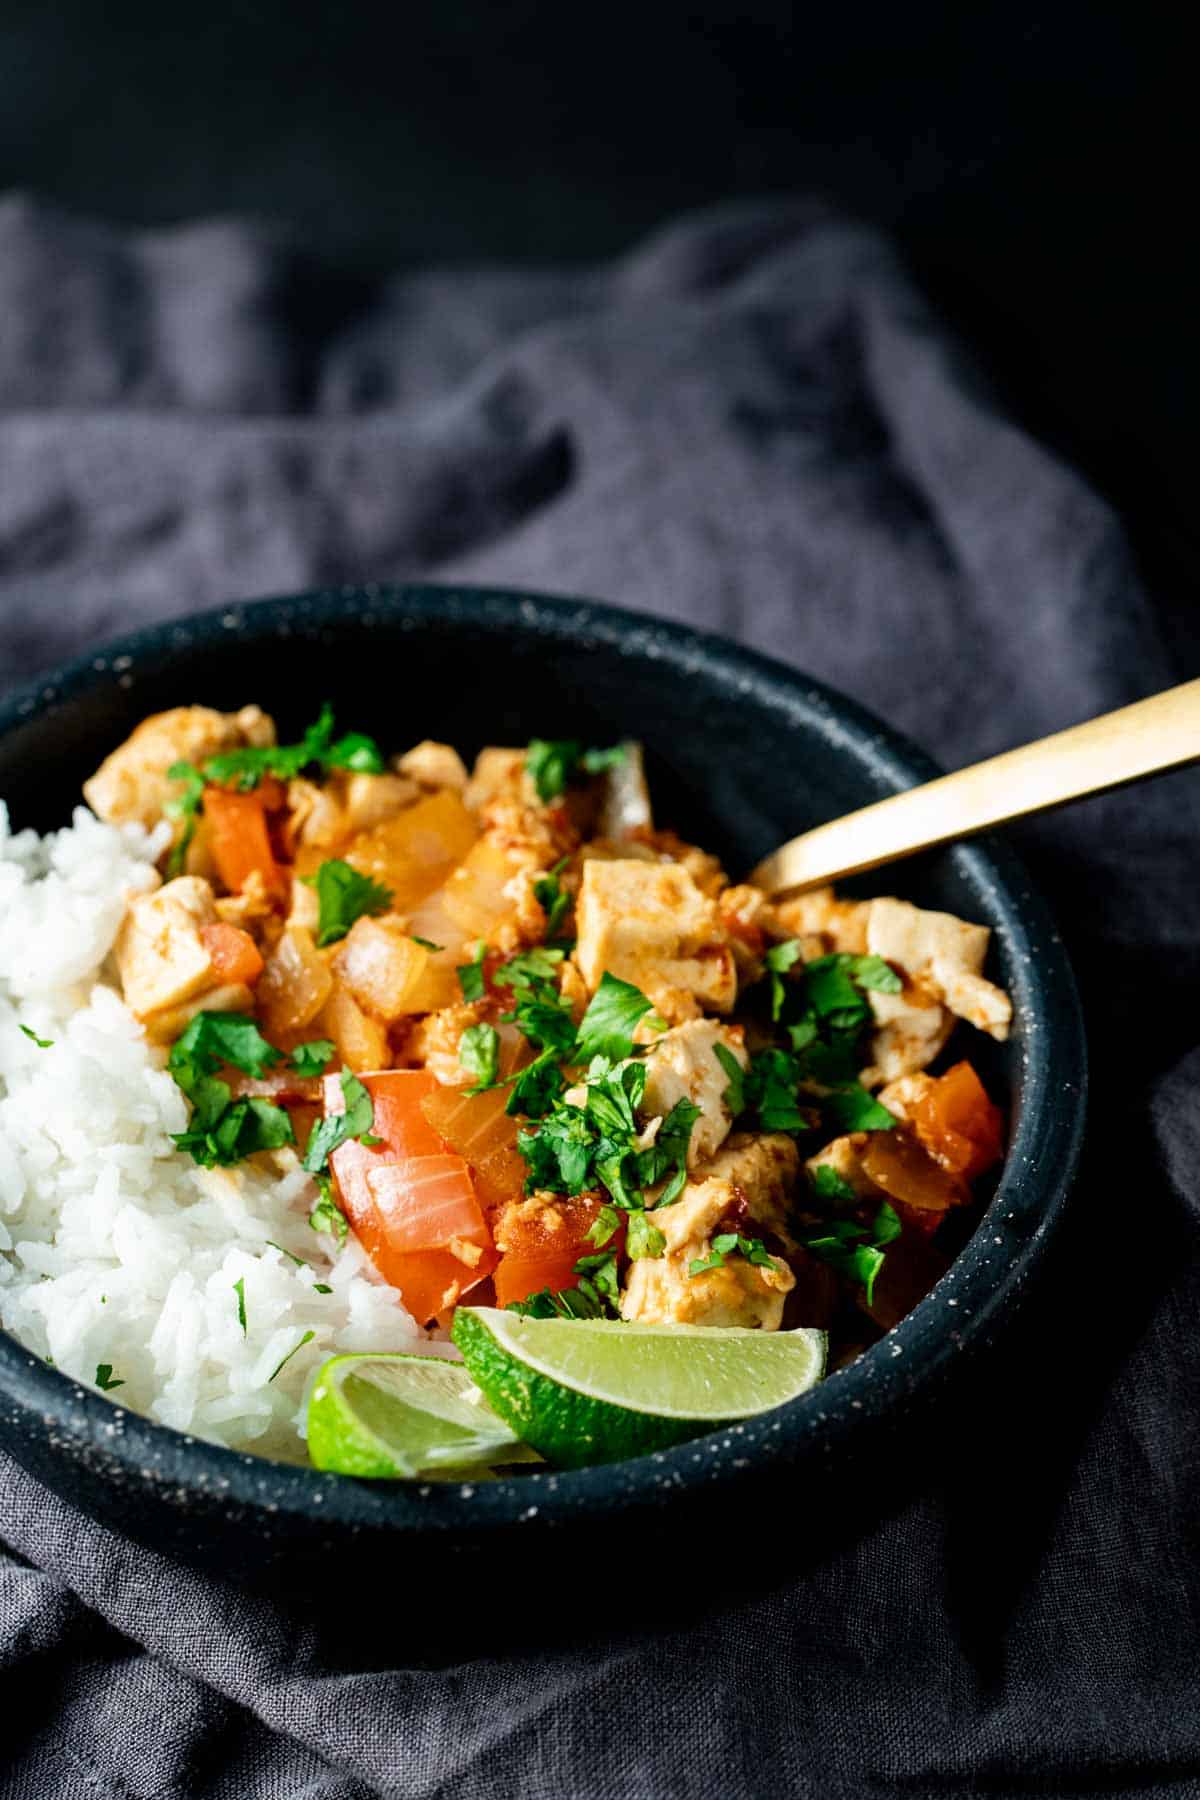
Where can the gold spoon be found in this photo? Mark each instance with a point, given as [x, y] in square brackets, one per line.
[1147, 738]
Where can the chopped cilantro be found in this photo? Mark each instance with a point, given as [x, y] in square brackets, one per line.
[552, 897]
[327, 1215]
[594, 1296]
[603, 1226]
[735, 1094]
[298, 1260]
[873, 973]
[306, 1339]
[185, 806]
[832, 995]
[344, 895]
[470, 975]
[607, 1027]
[239, 1288]
[536, 1087]
[426, 943]
[478, 1054]
[104, 1378]
[336, 1128]
[851, 1108]
[553, 763]
[729, 1243]
[213, 1038]
[41, 1042]
[827, 1184]
[321, 1287]
[855, 1251]
[559, 1152]
[643, 1238]
[310, 1059]
[317, 747]
[779, 958]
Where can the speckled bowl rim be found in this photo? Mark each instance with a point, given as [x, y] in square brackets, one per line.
[966, 1304]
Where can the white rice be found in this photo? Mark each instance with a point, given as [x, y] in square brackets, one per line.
[115, 1248]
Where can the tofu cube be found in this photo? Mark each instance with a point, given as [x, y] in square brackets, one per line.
[649, 924]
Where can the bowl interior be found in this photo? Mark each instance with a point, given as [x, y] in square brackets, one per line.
[742, 753]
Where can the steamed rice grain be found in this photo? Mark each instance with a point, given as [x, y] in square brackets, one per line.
[115, 1248]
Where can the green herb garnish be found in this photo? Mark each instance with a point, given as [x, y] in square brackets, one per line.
[730, 1243]
[223, 1130]
[613, 1014]
[239, 1288]
[856, 1251]
[41, 1042]
[479, 1054]
[354, 1122]
[309, 1059]
[306, 1339]
[426, 943]
[553, 763]
[643, 1238]
[104, 1378]
[470, 975]
[327, 1215]
[344, 895]
[552, 897]
[779, 958]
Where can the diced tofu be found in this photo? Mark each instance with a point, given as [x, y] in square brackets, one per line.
[661, 1290]
[840, 925]
[161, 955]
[381, 965]
[649, 924]
[498, 774]
[911, 1029]
[434, 1042]
[946, 955]
[684, 1066]
[434, 765]
[762, 1168]
[904, 1095]
[132, 785]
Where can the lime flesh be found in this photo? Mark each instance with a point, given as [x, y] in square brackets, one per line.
[590, 1390]
[403, 1416]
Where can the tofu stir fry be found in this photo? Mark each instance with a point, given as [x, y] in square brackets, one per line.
[534, 1049]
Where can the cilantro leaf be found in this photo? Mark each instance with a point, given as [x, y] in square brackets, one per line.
[426, 943]
[559, 1152]
[549, 1025]
[873, 973]
[827, 1184]
[185, 806]
[735, 1094]
[344, 895]
[478, 1054]
[603, 1226]
[833, 996]
[536, 1087]
[310, 1059]
[613, 1014]
[239, 1288]
[470, 975]
[41, 1042]
[854, 1252]
[327, 1215]
[887, 1225]
[531, 972]
[779, 958]
[851, 1108]
[552, 897]
[553, 763]
[729, 1243]
[643, 1238]
[600, 1273]
[336, 1128]
[249, 765]
[306, 1339]
[212, 1038]
[104, 1378]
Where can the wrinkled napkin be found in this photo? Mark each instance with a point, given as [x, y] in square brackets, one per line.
[754, 423]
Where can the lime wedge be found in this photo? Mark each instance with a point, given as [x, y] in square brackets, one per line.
[594, 1390]
[394, 1415]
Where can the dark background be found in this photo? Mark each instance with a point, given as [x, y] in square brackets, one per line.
[1036, 166]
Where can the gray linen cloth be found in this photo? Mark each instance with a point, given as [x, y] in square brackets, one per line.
[753, 423]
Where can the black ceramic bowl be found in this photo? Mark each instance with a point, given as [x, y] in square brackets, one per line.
[743, 753]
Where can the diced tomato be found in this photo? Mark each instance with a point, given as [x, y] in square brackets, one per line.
[477, 1126]
[235, 956]
[238, 836]
[958, 1125]
[542, 1246]
[411, 1203]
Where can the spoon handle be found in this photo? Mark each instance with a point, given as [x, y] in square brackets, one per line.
[1146, 738]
